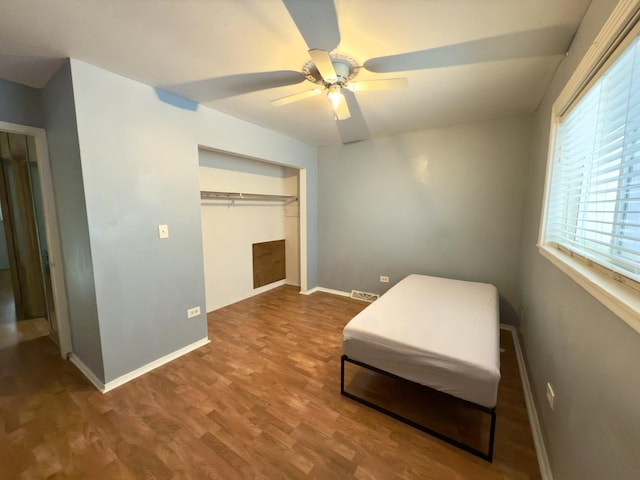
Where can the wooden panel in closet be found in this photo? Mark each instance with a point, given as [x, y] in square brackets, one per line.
[268, 263]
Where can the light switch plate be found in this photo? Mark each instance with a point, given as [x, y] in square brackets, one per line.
[163, 231]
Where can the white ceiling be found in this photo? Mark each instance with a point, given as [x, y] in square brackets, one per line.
[204, 49]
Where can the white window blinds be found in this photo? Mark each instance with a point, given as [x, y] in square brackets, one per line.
[594, 200]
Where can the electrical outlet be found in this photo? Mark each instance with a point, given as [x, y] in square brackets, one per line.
[193, 312]
[384, 279]
[163, 231]
[551, 395]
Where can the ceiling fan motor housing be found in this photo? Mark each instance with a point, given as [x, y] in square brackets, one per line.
[346, 69]
[343, 70]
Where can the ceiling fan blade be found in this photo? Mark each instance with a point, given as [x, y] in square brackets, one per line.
[323, 63]
[296, 97]
[317, 22]
[231, 85]
[342, 109]
[531, 43]
[353, 129]
[385, 84]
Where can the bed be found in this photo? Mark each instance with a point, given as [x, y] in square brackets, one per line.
[436, 332]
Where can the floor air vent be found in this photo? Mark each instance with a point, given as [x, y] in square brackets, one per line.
[366, 296]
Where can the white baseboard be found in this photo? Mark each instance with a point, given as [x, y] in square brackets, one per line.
[327, 290]
[127, 377]
[86, 371]
[265, 288]
[536, 431]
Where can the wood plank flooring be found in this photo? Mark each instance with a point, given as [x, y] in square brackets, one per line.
[12, 330]
[7, 302]
[261, 401]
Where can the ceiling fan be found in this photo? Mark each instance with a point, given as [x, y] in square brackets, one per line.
[318, 23]
[334, 73]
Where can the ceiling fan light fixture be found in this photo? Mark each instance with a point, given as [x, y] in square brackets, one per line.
[335, 96]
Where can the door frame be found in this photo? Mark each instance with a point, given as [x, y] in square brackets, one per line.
[51, 228]
[302, 233]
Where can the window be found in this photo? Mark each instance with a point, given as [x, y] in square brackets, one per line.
[594, 202]
[591, 219]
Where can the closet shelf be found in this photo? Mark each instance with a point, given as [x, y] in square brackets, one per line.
[209, 195]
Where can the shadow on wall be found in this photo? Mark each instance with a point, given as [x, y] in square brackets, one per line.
[508, 314]
[175, 100]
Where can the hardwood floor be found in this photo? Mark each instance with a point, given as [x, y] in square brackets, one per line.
[7, 302]
[13, 331]
[261, 401]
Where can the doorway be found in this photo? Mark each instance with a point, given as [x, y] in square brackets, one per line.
[27, 283]
[32, 294]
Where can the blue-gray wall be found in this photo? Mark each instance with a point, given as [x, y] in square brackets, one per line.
[590, 356]
[20, 104]
[140, 169]
[66, 170]
[445, 202]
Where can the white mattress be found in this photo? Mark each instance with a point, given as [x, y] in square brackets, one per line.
[434, 331]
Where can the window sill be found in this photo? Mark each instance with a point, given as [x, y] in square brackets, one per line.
[621, 299]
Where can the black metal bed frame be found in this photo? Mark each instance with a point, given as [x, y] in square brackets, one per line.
[491, 411]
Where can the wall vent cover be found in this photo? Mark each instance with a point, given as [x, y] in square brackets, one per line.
[366, 296]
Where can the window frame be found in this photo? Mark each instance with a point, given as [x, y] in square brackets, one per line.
[615, 291]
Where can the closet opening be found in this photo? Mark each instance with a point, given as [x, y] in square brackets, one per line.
[251, 227]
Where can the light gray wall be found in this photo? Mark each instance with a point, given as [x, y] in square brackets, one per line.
[444, 202]
[66, 170]
[20, 104]
[589, 355]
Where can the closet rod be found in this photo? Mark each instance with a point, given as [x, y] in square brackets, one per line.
[208, 195]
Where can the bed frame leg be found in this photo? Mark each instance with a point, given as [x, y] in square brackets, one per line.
[492, 434]
[342, 375]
